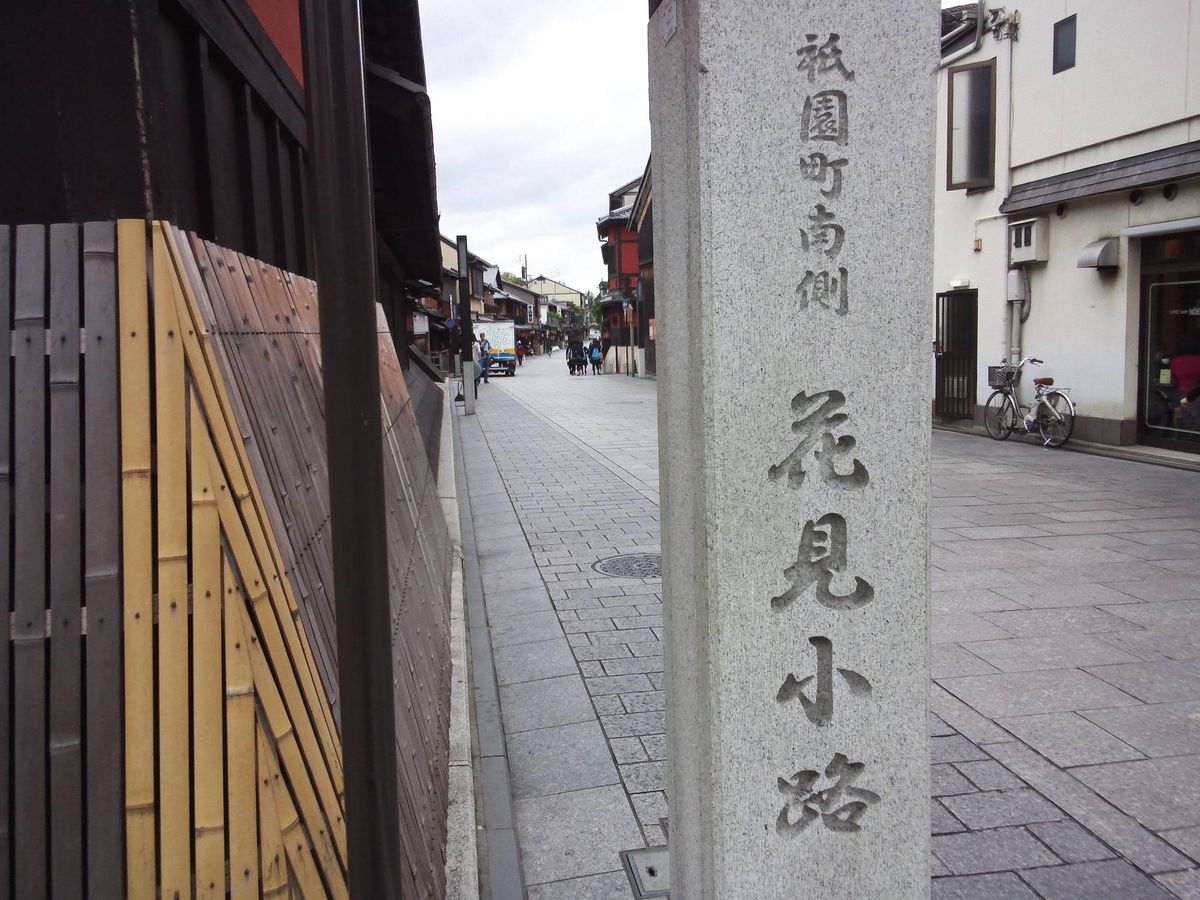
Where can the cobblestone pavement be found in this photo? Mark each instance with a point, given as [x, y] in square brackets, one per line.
[1066, 650]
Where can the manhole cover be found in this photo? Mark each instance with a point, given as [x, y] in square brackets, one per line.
[648, 871]
[631, 565]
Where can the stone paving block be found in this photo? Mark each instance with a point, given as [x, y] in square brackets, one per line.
[533, 661]
[642, 777]
[609, 705]
[656, 679]
[1068, 739]
[503, 866]
[951, 628]
[558, 759]
[936, 868]
[488, 728]
[1112, 880]
[608, 886]
[628, 750]
[942, 821]
[948, 660]
[946, 780]
[578, 640]
[1064, 620]
[976, 852]
[989, 775]
[1154, 682]
[644, 701]
[991, 532]
[954, 748]
[1029, 693]
[634, 724]
[541, 704]
[573, 834]
[995, 809]
[497, 794]
[1186, 839]
[1038, 594]
[938, 727]
[651, 808]
[1161, 729]
[630, 622]
[592, 669]
[647, 648]
[970, 600]
[525, 628]
[633, 665]
[1003, 886]
[578, 604]
[1185, 885]
[589, 626]
[1159, 793]
[602, 612]
[603, 651]
[1063, 651]
[656, 745]
[617, 684]
[1148, 852]
[1071, 842]
[613, 636]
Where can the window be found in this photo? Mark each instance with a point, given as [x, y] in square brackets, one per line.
[971, 151]
[1064, 45]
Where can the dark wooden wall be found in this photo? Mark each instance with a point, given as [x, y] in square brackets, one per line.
[203, 126]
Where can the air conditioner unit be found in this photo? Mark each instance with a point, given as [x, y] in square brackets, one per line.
[1028, 241]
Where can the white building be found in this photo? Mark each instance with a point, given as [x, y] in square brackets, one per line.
[1080, 119]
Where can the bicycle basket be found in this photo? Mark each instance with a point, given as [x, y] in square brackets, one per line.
[1003, 376]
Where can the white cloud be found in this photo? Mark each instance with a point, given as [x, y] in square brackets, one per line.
[539, 110]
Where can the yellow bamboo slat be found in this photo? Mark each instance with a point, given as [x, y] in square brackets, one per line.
[174, 751]
[292, 762]
[261, 598]
[304, 876]
[274, 860]
[208, 691]
[137, 572]
[239, 736]
[231, 453]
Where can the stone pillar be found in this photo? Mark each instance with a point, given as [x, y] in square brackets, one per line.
[793, 175]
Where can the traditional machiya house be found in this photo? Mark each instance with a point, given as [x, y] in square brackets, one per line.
[557, 292]
[619, 322]
[1067, 211]
[170, 677]
[641, 220]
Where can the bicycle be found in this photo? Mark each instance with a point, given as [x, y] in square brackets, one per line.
[1052, 414]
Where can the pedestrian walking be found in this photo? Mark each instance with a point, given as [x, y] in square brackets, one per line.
[485, 352]
[596, 358]
[520, 353]
[475, 352]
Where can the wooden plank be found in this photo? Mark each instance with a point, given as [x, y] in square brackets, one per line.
[174, 752]
[29, 607]
[291, 759]
[136, 560]
[259, 557]
[102, 548]
[271, 850]
[304, 876]
[66, 713]
[239, 746]
[208, 690]
[5, 559]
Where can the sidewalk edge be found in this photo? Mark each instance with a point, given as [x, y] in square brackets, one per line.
[462, 860]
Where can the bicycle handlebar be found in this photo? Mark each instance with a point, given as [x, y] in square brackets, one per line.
[1028, 359]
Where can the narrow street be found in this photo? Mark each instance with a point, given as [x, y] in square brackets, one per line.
[1066, 653]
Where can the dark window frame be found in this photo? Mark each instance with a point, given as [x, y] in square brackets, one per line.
[989, 181]
[1058, 65]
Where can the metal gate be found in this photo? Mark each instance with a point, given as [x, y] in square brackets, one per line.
[954, 349]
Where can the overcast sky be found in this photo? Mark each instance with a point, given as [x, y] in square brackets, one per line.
[539, 110]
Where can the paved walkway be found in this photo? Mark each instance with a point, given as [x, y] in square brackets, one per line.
[1066, 657]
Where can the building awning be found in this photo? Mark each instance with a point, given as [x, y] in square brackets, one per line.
[1143, 170]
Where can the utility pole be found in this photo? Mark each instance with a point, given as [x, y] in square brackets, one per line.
[465, 327]
[340, 185]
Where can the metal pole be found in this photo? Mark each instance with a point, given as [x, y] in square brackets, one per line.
[340, 185]
[465, 328]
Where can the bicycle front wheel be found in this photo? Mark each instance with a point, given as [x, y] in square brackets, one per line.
[999, 417]
[1055, 427]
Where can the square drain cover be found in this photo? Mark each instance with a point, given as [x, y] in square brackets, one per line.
[648, 871]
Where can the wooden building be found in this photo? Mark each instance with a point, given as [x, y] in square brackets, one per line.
[169, 666]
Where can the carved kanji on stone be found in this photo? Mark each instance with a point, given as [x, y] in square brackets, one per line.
[822, 555]
[839, 806]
